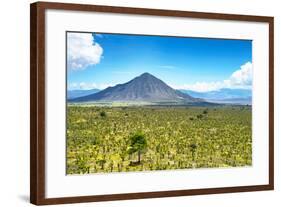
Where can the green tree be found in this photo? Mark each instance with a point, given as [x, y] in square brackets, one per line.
[103, 114]
[193, 148]
[82, 163]
[138, 144]
[101, 161]
[205, 111]
[199, 116]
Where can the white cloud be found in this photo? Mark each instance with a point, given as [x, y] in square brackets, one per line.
[241, 78]
[82, 51]
[200, 86]
[88, 86]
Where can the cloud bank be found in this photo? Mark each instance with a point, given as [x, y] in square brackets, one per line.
[88, 86]
[241, 78]
[82, 51]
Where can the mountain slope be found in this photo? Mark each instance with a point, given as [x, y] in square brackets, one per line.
[145, 87]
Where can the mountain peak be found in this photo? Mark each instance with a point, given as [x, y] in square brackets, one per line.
[146, 74]
[145, 87]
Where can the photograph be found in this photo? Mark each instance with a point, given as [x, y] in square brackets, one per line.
[138, 102]
[144, 102]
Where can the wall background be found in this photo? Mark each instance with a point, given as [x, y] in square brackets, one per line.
[14, 110]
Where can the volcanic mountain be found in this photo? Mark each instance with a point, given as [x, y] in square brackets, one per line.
[145, 87]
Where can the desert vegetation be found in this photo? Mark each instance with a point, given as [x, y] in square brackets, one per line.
[122, 139]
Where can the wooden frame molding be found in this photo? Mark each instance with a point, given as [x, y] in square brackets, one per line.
[37, 102]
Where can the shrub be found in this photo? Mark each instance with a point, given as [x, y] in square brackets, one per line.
[103, 114]
[205, 111]
[199, 116]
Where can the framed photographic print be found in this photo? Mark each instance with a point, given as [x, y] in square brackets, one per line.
[130, 103]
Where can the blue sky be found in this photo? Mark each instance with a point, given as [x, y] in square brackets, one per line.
[200, 64]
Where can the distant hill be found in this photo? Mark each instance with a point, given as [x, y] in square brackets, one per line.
[71, 94]
[145, 87]
[236, 101]
[225, 95]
